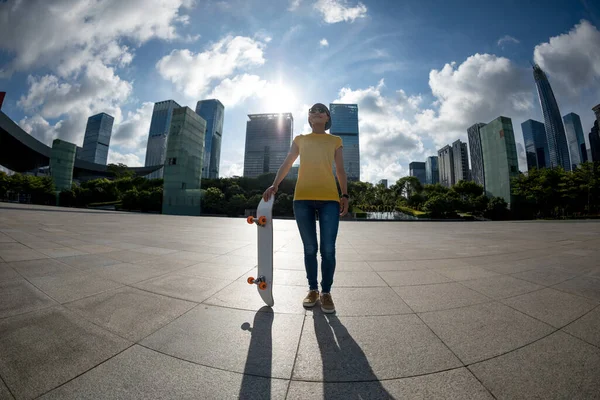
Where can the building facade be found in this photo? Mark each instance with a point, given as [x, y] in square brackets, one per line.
[97, 138]
[384, 182]
[417, 169]
[558, 147]
[344, 123]
[536, 144]
[62, 162]
[158, 135]
[213, 112]
[432, 173]
[183, 165]
[460, 157]
[446, 166]
[501, 163]
[575, 139]
[477, 174]
[268, 141]
[594, 137]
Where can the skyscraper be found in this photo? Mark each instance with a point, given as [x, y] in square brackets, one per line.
[417, 169]
[344, 123]
[594, 137]
[158, 135]
[596, 110]
[575, 139]
[97, 138]
[183, 166]
[461, 161]
[555, 131]
[477, 173]
[432, 173]
[268, 141]
[536, 144]
[212, 111]
[500, 161]
[446, 166]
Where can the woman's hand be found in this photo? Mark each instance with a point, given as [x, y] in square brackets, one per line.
[270, 192]
[343, 206]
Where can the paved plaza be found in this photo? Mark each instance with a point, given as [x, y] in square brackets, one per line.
[107, 305]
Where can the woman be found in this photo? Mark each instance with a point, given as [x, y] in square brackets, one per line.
[316, 193]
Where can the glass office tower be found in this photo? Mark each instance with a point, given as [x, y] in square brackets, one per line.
[97, 138]
[575, 139]
[344, 123]
[417, 169]
[477, 173]
[536, 144]
[183, 163]
[500, 161]
[446, 166]
[158, 135]
[555, 130]
[432, 173]
[268, 142]
[212, 111]
[461, 161]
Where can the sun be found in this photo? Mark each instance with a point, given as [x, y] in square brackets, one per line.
[279, 98]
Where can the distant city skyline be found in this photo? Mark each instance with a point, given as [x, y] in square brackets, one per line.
[419, 75]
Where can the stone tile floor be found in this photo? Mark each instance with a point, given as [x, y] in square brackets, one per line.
[103, 305]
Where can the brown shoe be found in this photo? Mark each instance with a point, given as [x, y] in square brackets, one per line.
[311, 298]
[327, 305]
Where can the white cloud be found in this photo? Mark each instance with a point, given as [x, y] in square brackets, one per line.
[294, 4]
[323, 43]
[480, 89]
[80, 48]
[236, 90]
[334, 11]
[132, 133]
[572, 60]
[64, 35]
[194, 73]
[507, 39]
[129, 159]
[386, 133]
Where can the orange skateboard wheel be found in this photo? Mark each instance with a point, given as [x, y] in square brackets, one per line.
[262, 285]
[250, 280]
[262, 220]
[250, 219]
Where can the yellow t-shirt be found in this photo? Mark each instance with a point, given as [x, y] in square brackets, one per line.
[315, 175]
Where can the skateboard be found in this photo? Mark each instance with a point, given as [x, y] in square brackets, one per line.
[264, 222]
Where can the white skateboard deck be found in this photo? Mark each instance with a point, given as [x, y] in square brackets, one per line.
[265, 249]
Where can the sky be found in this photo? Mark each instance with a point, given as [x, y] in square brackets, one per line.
[421, 71]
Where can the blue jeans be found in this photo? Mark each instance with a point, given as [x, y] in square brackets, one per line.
[305, 212]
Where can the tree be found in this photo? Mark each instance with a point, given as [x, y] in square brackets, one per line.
[119, 171]
[236, 205]
[212, 202]
[497, 209]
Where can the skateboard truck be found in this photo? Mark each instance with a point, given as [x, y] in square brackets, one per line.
[260, 221]
[260, 281]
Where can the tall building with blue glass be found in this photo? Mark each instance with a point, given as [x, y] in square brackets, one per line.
[268, 141]
[575, 139]
[536, 144]
[417, 169]
[344, 123]
[477, 171]
[555, 130]
[212, 111]
[97, 138]
[432, 174]
[158, 135]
